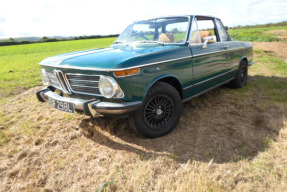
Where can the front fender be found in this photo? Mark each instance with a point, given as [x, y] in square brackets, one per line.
[243, 57]
[156, 79]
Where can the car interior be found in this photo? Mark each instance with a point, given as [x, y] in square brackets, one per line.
[207, 28]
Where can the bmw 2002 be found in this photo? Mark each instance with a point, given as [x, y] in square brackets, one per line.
[148, 72]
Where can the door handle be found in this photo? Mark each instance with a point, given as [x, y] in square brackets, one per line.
[225, 47]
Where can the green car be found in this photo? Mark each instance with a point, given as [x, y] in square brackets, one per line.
[148, 72]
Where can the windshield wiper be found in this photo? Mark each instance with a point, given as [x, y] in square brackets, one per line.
[149, 41]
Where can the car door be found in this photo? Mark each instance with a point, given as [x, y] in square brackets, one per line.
[208, 63]
[233, 49]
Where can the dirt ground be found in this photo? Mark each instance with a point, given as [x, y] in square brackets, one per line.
[225, 141]
[278, 48]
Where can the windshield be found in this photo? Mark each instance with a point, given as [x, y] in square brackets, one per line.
[161, 30]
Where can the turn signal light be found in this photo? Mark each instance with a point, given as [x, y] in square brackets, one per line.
[127, 72]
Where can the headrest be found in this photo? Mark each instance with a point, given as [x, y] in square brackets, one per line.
[166, 38]
[204, 34]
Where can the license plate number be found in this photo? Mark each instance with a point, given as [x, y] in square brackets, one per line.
[62, 105]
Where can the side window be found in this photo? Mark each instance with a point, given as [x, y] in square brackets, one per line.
[194, 35]
[177, 31]
[206, 28]
[221, 31]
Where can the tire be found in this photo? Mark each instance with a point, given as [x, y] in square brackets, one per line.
[160, 112]
[241, 76]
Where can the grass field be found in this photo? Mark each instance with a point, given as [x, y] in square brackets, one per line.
[19, 65]
[227, 139]
[263, 34]
[19, 69]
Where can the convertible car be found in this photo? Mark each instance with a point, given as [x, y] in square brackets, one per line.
[148, 72]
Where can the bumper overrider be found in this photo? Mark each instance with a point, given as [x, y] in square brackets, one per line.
[92, 107]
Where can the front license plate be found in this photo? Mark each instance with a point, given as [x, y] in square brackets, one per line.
[62, 105]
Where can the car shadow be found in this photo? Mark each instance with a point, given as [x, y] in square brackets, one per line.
[225, 125]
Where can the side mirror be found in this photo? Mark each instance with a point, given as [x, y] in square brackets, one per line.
[209, 39]
[226, 28]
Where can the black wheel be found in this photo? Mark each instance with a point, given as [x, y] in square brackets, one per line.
[241, 76]
[160, 112]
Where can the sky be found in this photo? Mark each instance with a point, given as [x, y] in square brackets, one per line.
[21, 18]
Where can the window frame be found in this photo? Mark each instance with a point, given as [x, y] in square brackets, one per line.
[218, 22]
[205, 18]
[199, 37]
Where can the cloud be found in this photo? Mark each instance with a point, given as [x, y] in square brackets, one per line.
[2, 20]
[89, 17]
[2, 34]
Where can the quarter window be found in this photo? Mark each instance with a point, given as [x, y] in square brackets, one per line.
[221, 31]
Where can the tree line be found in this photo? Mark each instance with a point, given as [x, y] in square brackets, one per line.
[12, 41]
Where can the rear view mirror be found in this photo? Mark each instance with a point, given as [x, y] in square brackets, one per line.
[209, 39]
[153, 26]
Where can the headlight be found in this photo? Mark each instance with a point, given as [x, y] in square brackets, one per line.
[109, 87]
[44, 77]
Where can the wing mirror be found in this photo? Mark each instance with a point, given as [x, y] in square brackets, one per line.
[209, 39]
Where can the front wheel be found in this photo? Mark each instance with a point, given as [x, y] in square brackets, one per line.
[160, 112]
[241, 76]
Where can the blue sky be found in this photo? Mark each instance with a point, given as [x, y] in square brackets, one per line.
[91, 17]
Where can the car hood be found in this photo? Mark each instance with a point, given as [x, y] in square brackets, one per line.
[111, 58]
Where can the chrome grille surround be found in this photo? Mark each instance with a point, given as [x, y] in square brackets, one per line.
[63, 81]
[84, 84]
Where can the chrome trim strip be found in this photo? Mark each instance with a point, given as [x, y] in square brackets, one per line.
[85, 86]
[207, 90]
[122, 69]
[116, 108]
[206, 80]
[218, 51]
[79, 81]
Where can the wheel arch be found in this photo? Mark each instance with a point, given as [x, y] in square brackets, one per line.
[165, 78]
[243, 58]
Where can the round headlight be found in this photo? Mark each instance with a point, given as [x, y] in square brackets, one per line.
[109, 88]
[44, 77]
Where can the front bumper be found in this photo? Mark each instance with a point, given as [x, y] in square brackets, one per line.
[92, 107]
[251, 63]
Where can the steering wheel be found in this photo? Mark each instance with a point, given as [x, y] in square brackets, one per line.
[141, 36]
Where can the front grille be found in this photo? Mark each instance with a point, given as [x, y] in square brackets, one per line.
[53, 79]
[77, 83]
[87, 84]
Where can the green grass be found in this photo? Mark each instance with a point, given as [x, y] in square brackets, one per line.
[255, 34]
[19, 68]
[271, 74]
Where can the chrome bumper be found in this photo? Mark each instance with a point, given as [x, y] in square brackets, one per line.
[93, 107]
[251, 63]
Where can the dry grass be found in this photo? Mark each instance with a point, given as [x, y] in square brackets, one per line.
[278, 48]
[227, 140]
[278, 32]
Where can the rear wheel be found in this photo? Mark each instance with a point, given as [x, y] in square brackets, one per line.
[160, 112]
[241, 76]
